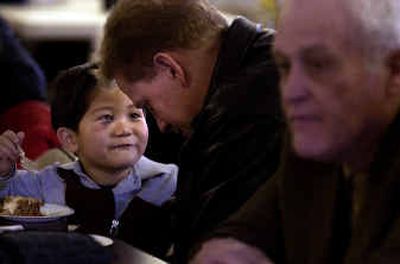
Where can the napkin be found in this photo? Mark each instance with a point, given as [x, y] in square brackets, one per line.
[33, 247]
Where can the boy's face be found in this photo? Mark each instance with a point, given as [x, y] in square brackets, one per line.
[112, 135]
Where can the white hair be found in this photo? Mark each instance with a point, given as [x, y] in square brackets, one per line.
[379, 25]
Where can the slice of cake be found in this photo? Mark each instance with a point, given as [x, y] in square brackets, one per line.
[22, 206]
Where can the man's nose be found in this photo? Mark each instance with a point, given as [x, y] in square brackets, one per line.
[294, 86]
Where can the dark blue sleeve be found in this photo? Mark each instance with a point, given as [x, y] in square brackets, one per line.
[21, 77]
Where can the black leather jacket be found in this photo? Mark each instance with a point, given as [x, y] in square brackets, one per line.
[237, 136]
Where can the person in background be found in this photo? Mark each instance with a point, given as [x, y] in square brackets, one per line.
[335, 199]
[213, 82]
[23, 105]
[112, 187]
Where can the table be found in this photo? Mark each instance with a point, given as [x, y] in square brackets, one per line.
[126, 254]
[121, 252]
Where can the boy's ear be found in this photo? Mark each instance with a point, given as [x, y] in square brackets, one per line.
[68, 139]
[164, 61]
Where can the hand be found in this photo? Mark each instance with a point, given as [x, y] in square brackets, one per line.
[229, 251]
[9, 151]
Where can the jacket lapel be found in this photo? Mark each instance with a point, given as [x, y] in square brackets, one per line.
[308, 209]
[376, 231]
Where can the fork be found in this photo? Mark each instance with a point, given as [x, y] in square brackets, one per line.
[25, 162]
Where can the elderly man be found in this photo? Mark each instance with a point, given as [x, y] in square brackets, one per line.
[336, 197]
[214, 82]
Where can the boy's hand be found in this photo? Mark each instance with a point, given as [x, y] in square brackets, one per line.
[9, 152]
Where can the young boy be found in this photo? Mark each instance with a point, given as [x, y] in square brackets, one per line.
[111, 184]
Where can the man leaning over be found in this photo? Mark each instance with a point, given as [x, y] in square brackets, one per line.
[211, 80]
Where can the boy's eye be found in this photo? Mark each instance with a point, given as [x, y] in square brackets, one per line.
[107, 118]
[135, 116]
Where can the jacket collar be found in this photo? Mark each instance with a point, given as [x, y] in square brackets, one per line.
[236, 41]
[242, 32]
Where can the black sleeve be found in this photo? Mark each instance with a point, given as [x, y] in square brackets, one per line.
[226, 176]
[236, 142]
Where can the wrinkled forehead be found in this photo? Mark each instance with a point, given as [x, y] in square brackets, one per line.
[311, 20]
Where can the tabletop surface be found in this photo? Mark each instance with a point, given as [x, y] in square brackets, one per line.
[122, 253]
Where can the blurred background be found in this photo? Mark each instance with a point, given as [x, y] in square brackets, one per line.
[58, 33]
[63, 33]
[261, 11]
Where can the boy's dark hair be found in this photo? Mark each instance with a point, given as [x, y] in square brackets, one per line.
[70, 95]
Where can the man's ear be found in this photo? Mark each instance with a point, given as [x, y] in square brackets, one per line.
[393, 66]
[68, 139]
[164, 61]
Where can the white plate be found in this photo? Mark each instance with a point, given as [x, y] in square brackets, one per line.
[102, 240]
[50, 212]
[11, 228]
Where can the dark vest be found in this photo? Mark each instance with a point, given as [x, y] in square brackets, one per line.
[142, 224]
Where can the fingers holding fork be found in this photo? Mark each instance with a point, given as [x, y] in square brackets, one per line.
[11, 152]
[25, 162]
